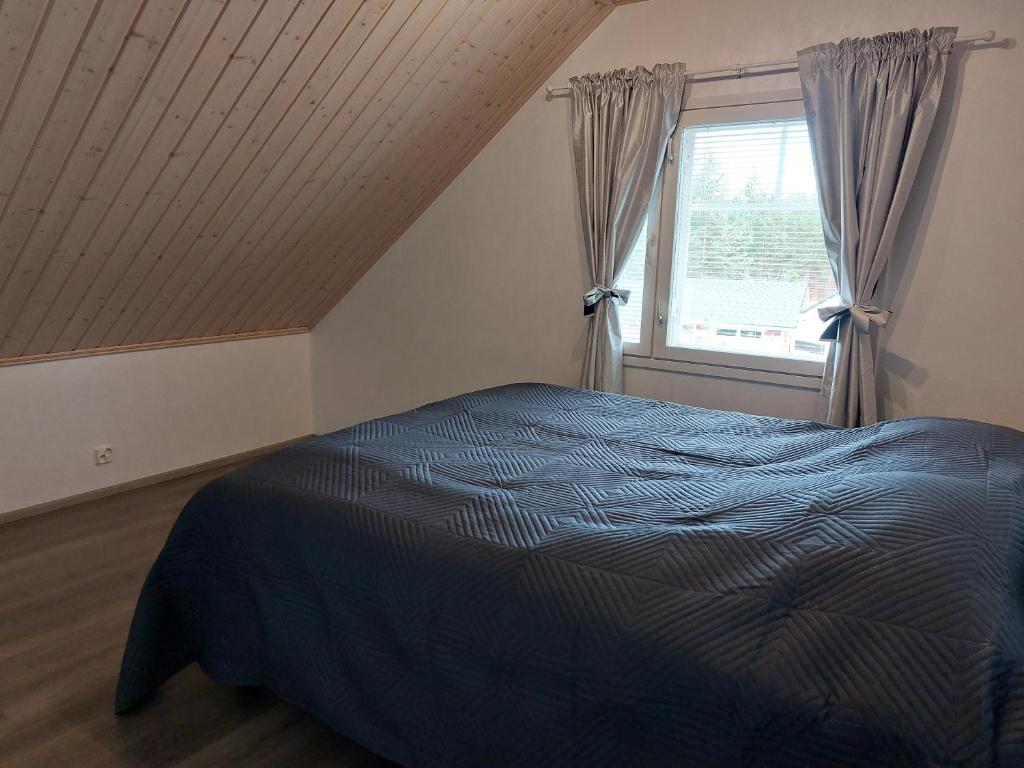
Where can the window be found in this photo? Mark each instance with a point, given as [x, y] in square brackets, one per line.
[741, 265]
[748, 245]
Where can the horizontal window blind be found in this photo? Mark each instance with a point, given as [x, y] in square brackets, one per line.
[749, 252]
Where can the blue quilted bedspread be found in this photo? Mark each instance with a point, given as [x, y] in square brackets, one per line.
[542, 576]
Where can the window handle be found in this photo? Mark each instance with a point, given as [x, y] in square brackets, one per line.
[661, 314]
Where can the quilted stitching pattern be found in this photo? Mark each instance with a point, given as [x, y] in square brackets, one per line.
[535, 575]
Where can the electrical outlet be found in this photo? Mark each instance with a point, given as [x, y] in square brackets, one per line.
[102, 454]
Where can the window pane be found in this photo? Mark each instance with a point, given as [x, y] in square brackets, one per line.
[632, 279]
[749, 267]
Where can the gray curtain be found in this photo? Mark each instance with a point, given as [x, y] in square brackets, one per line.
[870, 106]
[621, 125]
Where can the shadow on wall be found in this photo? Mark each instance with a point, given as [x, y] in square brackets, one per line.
[897, 376]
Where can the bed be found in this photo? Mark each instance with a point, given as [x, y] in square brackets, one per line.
[535, 575]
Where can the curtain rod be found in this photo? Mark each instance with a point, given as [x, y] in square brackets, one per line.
[768, 67]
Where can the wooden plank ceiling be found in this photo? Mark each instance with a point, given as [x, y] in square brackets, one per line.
[181, 170]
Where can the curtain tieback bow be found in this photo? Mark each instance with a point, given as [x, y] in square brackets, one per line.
[599, 293]
[863, 316]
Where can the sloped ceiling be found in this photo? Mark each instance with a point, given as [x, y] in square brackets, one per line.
[179, 170]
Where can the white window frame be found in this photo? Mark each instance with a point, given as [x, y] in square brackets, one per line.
[643, 347]
[652, 351]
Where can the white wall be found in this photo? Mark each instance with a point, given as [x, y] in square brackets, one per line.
[485, 288]
[160, 410]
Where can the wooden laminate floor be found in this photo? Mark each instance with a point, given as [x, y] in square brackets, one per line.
[68, 584]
